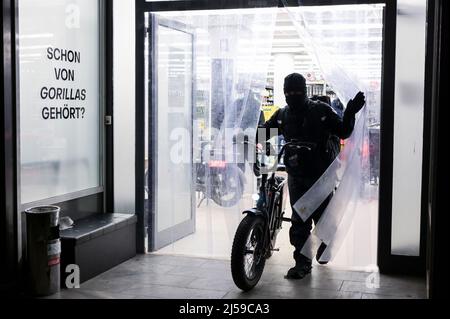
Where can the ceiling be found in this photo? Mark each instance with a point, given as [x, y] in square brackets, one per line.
[353, 35]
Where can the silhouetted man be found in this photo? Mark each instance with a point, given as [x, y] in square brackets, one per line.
[313, 123]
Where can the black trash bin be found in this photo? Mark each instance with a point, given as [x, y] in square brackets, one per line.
[43, 250]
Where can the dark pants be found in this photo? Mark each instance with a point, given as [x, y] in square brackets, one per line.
[300, 230]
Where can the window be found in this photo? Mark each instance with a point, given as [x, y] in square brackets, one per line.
[60, 107]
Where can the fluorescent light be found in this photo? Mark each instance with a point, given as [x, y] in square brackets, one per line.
[343, 26]
[36, 36]
[33, 47]
[199, 13]
[287, 50]
[31, 55]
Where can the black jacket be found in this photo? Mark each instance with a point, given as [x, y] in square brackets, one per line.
[316, 125]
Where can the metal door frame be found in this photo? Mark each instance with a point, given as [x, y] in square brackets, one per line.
[157, 240]
[387, 262]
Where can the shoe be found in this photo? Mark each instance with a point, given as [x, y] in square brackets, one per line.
[320, 252]
[299, 271]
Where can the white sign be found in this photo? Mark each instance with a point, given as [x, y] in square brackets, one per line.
[59, 97]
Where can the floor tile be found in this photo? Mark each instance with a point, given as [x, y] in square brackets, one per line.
[180, 277]
[375, 296]
[403, 290]
[157, 291]
[213, 284]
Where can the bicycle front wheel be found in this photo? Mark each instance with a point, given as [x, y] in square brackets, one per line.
[247, 255]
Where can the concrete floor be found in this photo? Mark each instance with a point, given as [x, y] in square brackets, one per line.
[198, 267]
[176, 277]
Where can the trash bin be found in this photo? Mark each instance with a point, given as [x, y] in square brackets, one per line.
[43, 250]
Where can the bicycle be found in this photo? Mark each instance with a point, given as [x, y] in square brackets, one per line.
[256, 236]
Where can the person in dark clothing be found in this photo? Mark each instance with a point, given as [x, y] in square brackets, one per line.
[314, 123]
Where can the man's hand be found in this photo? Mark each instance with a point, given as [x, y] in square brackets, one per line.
[355, 105]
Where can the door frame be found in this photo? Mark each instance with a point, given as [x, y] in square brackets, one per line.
[438, 276]
[9, 230]
[387, 262]
[157, 240]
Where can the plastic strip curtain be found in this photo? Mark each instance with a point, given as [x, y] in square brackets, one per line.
[333, 51]
[232, 52]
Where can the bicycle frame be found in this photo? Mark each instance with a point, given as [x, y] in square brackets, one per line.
[257, 233]
[276, 193]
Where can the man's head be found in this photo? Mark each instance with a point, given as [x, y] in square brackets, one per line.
[295, 90]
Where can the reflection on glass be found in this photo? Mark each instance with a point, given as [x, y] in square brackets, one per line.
[174, 198]
[59, 97]
[229, 54]
[234, 71]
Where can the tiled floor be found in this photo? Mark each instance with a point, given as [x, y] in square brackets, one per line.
[172, 277]
[174, 274]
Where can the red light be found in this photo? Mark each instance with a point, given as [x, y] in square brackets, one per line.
[366, 150]
[217, 164]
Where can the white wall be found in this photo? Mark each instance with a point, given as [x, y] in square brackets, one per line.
[124, 106]
[408, 130]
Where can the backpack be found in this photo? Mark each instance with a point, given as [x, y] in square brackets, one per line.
[333, 147]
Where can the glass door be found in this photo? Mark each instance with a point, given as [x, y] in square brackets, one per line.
[171, 105]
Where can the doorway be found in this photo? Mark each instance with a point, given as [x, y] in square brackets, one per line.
[244, 55]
